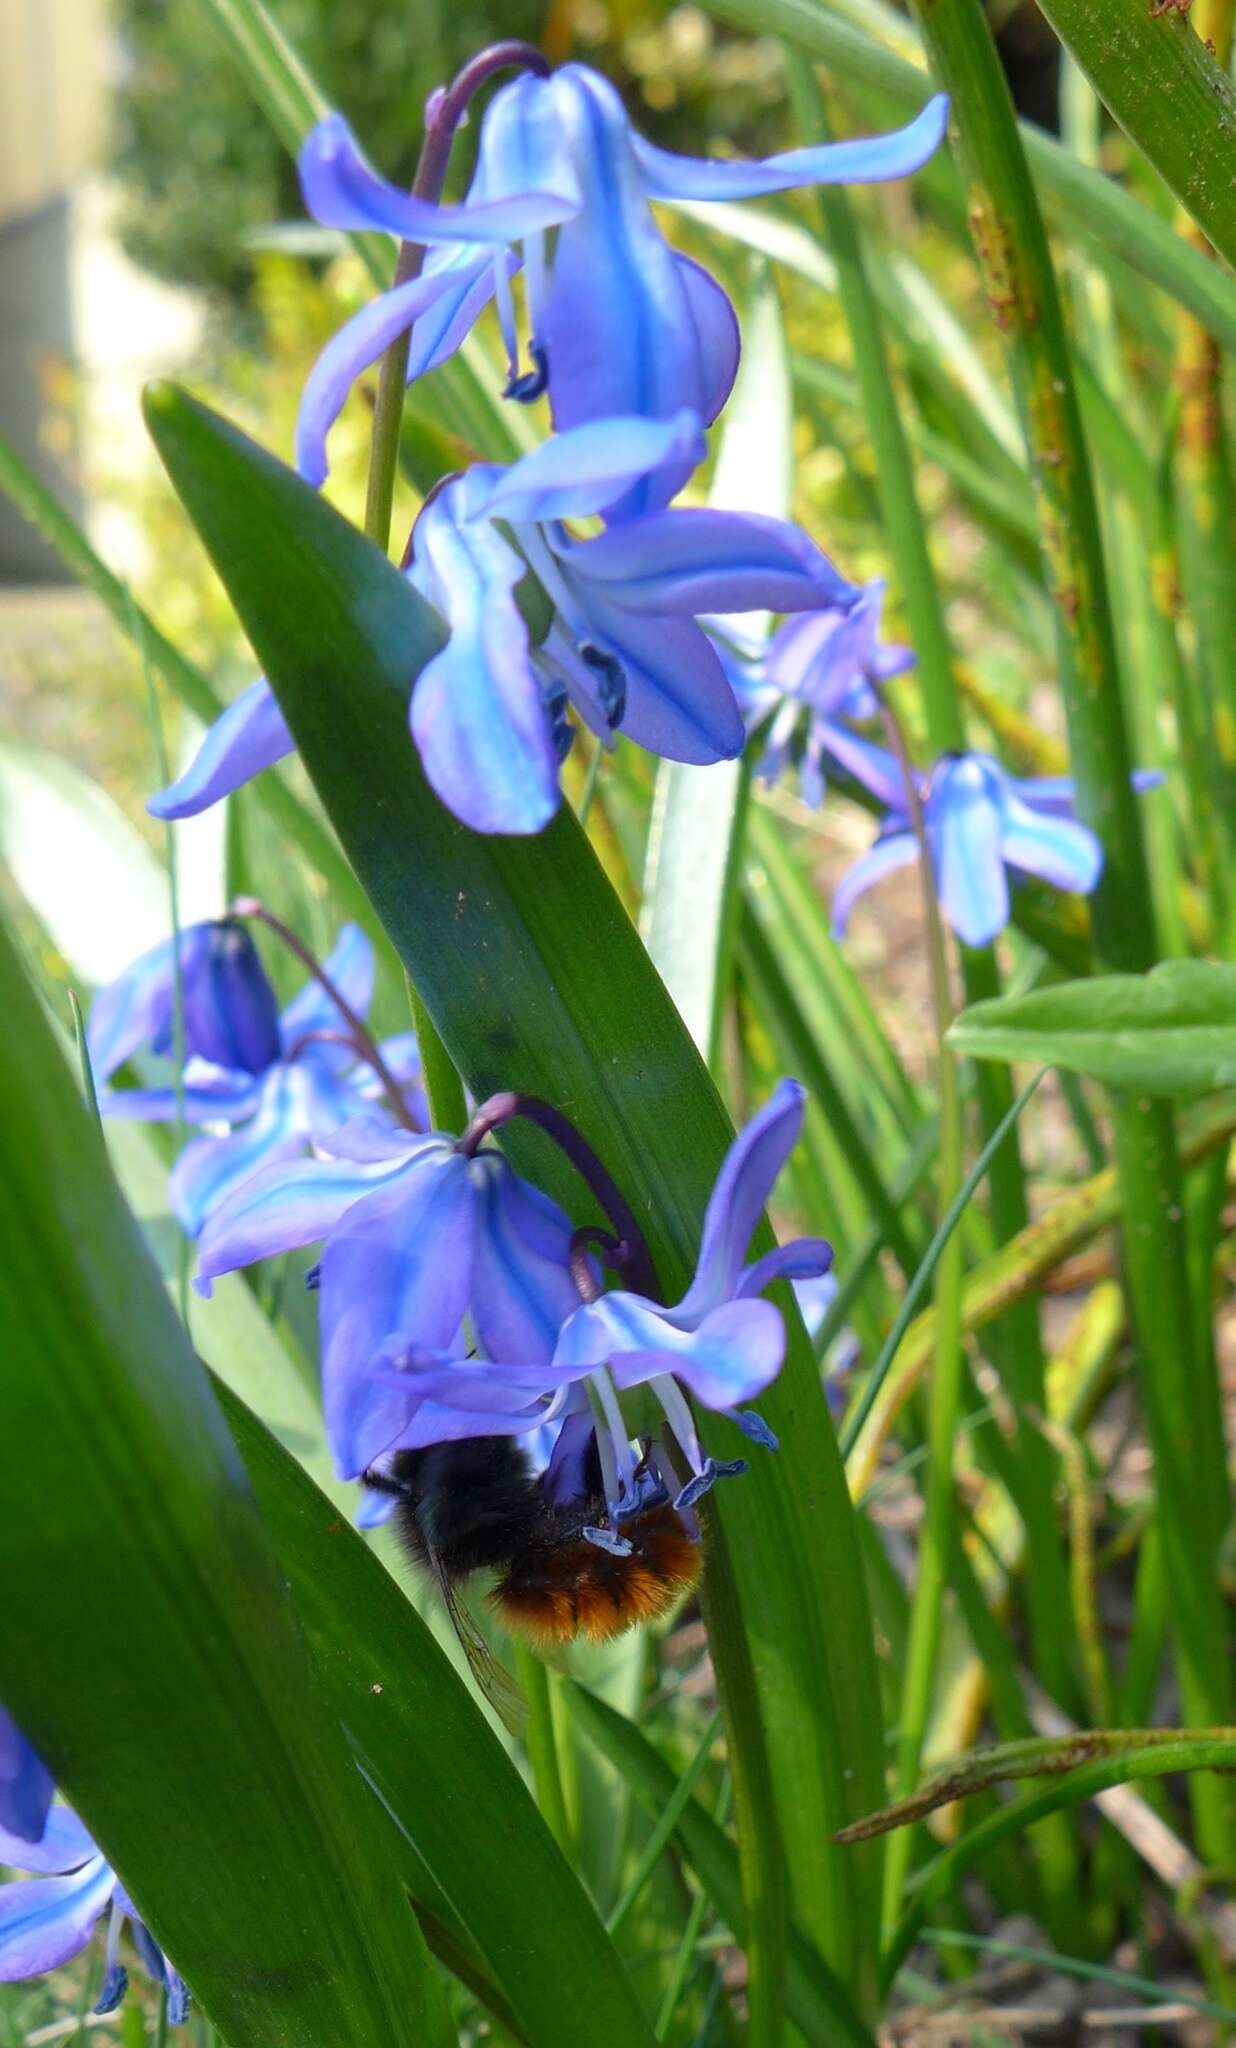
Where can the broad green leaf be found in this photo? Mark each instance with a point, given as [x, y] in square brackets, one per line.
[815, 2000]
[696, 835]
[131, 1550]
[425, 1749]
[1079, 199]
[519, 949]
[1169, 1032]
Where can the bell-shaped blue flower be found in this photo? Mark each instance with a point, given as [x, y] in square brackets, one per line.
[624, 646]
[720, 1342]
[417, 1235]
[49, 1917]
[25, 1784]
[619, 322]
[311, 1078]
[981, 823]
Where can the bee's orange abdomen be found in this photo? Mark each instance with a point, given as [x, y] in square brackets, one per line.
[577, 1589]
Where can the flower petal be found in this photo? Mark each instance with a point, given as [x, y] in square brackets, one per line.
[210, 1170]
[669, 176]
[230, 1014]
[522, 1290]
[25, 1784]
[738, 1200]
[46, 1921]
[717, 338]
[693, 560]
[136, 1009]
[620, 325]
[964, 827]
[678, 702]
[349, 966]
[399, 1260]
[64, 1845]
[732, 1355]
[586, 468]
[290, 1203]
[1059, 850]
[871, 766]
[478, 714]
[342, 190]
[365, 337]
[896, 849]
[228, 1099]
[252, 734]
[804, 1258]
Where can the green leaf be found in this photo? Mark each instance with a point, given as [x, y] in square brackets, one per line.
[815, 1999]
[696, 835]
[199, 1751]
[518, 948]
[426, 1750]
[1169, 1032]
[1169, 95]
[1080, 200]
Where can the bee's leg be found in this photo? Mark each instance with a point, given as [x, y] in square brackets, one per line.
[381, 1482]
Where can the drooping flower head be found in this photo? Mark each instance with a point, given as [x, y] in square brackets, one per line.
[623, 644]
[50, 1916]
[620, 323]
[268, 1081]
[982, 823]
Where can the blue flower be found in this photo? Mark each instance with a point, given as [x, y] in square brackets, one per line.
[818, 668]
[980, 822]
[25, 1784]
[488, 712]
[47, 1919]
[417, 1236]
[720, 1342]
[270, 1082]
[620, 323]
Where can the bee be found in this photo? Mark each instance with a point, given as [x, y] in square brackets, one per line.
[478, 1506]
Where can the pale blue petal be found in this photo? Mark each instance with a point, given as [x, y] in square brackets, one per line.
[46, 1921]
[349, 966]
[804, 1258]
[1059, 850]
[210, 1170]
[342, 190]
[368, 335]
[399, 1260]
[446, 324]
[478, 714]
[871, 766]
[586, 468]
[375, 1508]
[874, 158]
[136, 1008]
[964, 831]
[738, 1200]
[370, 1140]
[285, 1205]
[897, 849]
[252, 734]
[25, 1784]
[64, 1845]
[694, 560]
[229, 1099]
[732, 1356]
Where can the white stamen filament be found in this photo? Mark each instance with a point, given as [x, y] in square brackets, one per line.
[506, 311]
[678, 1415]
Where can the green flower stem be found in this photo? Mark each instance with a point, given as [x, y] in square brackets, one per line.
[1023, 1357]
[944, 1401]
[542, 1742]
[1183, 1413]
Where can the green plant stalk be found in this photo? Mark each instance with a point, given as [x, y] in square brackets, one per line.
[1081, 200]
[1024, 1361]
[1174, 101]
[448, 1108]
[1016, 267]
[944, 1399]
[654, 1848]
[541, 1739]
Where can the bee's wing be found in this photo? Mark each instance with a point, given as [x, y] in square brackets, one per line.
[492, 1676]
